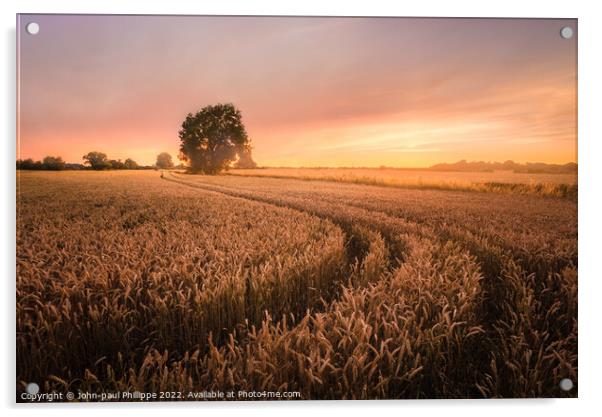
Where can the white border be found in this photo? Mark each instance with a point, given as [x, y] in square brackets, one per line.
[590, 232]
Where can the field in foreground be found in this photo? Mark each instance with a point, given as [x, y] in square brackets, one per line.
[127, 281]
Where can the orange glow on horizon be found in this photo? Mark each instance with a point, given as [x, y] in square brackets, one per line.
[313, 92]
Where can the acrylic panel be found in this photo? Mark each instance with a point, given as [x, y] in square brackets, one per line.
[249, 208]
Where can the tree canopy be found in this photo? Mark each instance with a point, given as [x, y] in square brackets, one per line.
[164, 161]
[97, 160]
[213, 138]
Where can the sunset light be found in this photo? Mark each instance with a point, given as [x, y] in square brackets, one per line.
[312, 91]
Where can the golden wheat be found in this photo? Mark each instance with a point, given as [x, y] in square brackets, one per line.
[334, 290]
[551, 185]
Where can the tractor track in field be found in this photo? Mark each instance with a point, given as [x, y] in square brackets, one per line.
[384, 223]
[356, 246]
[488, 255]
[391, 229]
[382, 218]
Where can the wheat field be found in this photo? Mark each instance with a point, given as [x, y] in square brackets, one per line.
[141, 281]
[506, 182]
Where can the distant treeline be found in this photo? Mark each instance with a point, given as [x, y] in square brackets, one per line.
[92, 160]
[530, 168]
[56, 163]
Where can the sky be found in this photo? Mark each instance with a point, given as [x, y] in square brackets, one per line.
[400, 92]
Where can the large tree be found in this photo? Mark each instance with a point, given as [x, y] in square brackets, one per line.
[211, 139]
[97, 160]
[164, 161]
